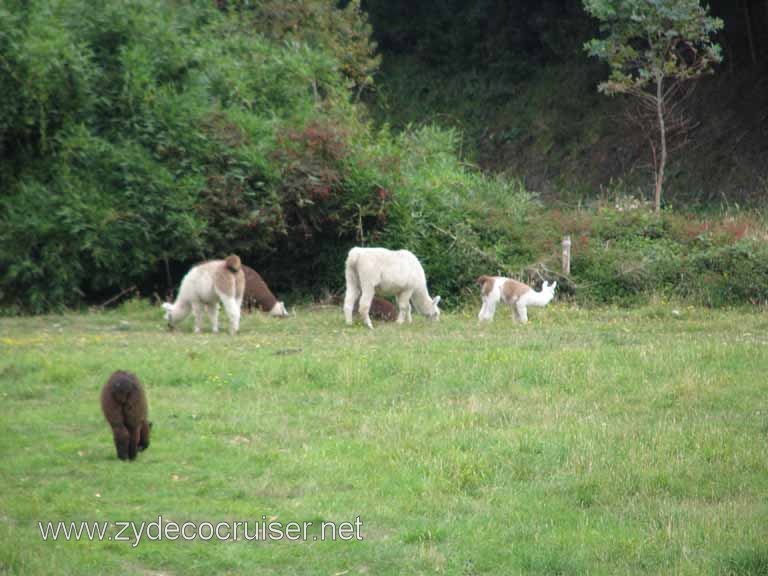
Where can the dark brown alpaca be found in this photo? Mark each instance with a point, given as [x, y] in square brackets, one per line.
[125, 408]
[257, 293]
[381, 309]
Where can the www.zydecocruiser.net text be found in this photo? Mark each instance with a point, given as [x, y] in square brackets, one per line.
[264, 530]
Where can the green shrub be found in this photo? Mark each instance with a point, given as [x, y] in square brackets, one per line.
[727, 275]
[625, 257]
[155, 135]
[625, 270]
[103, 218]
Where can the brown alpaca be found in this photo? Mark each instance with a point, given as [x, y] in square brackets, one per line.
[257, 293]
[381, 309]
[125, 408]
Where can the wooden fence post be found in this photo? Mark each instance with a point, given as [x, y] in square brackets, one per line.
[567, 254]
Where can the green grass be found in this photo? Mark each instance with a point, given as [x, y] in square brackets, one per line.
[599, 441]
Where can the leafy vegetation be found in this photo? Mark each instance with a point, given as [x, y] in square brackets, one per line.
[343, 31]
[172, 135]
[154, 135]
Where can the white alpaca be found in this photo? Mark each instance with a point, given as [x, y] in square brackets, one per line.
[203, 287]
[518, 295]
[385, 272]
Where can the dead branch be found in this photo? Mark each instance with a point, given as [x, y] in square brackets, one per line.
[118, 296]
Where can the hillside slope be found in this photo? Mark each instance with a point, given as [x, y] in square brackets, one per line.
[570, 143]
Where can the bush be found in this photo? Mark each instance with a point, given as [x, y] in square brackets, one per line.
[104, 216]
[625, 271]
[158, 135]
[727, 275]
[343, 32]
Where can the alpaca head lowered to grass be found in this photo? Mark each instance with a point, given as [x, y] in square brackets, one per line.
[258, 294]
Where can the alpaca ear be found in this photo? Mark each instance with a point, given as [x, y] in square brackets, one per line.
[554, 285]
[436, 301]
[545, 285]
[167, 306]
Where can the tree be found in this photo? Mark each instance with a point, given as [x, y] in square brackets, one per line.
[654, 48]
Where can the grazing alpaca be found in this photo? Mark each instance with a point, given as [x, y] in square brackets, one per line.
[390, 273]
[518, 295]
[382, 309]
[257, 293]
[125, 407]
[204, 286]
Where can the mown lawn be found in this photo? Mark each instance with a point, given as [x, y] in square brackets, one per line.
[588, 442]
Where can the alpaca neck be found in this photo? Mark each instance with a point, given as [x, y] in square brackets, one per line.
[267, 302]
[534, 298]
[422, 301]
[181, 309]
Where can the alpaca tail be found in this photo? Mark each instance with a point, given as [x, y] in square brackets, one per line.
[350, 269]
[233, 263]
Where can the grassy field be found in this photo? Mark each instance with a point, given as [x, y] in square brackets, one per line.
[588, 442]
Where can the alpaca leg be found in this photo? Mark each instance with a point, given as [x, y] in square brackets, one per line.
[365, 305]
[483, 314]
[197, 309]
[232, 309]
[213, 316]
[122, 440]
[404, 307]
[133, 445]
[144, 437]
[488, 309]
[351, 296]
[521, 312]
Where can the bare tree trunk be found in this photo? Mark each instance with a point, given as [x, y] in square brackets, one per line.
[766, 12]
[662, 140]
[750, 34]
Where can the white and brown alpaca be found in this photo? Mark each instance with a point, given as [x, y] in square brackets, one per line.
[399, 273]
[519, 296]
[204, 286]
[257, 293]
